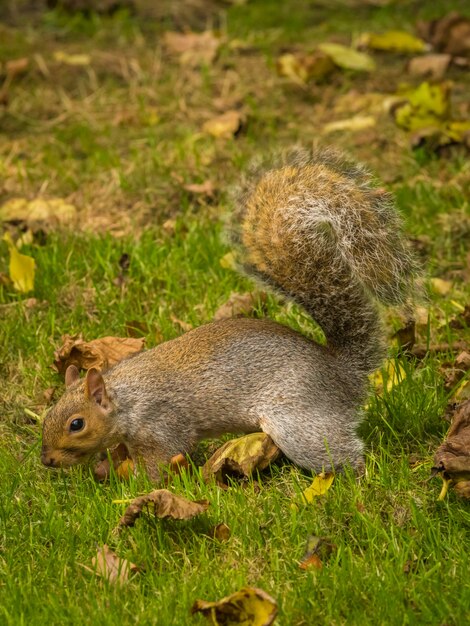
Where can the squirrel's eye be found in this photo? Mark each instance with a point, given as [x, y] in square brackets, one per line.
[77, 424]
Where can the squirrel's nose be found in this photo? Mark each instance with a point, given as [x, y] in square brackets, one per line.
[47, 459]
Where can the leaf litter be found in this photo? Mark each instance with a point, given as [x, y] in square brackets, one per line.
[250, 606]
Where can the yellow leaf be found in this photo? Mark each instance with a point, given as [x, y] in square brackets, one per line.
[21, 267]
[72, 59]
[426, 106]
[248, 607]
[393, 40]
[303, 67]
[394, 375]
[348, 58]
[359, 122]
[228, 261]
[440, 286]
[225, 125]
[320, 485]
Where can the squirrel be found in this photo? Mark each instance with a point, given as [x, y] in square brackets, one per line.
[314, 228]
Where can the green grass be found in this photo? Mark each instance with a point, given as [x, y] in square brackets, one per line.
[113, 139]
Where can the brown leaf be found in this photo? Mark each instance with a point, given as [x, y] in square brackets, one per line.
[452, 458]
[250, 606]
[431, 65]
[450, 34]
[100, 353]
[162, 503]
[225, 125]
[185, 326]
[206, 188]
[318, 550]
[108, 565]
[193, 49]
[240, 305]
[221, 532]
[241, 457]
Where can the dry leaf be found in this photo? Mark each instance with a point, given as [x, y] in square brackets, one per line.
[359, 122]
[248, 607]
[452, 458]
[393, 41]
[21, 268]
[320, 485]
[301, 68]
[100, 353]
[162, 503]
[108, 565]
[51, 210]
[318, 549]
[206, 188]
[240, 305]
[228, 261]
[185, 326]
[450, 34]
[221, 532]
[77, 60]
[193, 49]
[241, 457]
[430, 65]
[348, 58]
[225, 125]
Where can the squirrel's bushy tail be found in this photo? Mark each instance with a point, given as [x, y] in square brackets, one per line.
[314, 228]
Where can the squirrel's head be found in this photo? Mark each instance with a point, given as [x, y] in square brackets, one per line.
[80, 424]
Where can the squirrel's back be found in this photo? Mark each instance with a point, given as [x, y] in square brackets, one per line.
[315, 229]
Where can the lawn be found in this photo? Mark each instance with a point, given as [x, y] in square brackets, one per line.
[106, 117]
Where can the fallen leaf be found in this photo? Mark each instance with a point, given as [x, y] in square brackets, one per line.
[393, 41]
[241, 457]
[221, 532]
[51, 210]
[162, 503]
[450, 34]
[241, 305]
[225, 125]
[15, 67]
[250, 606]
[21, 267]
[430, 65]
[77, 60]
[348, 58]
[185, 326]
[440, 287]
[392, 373]
[320, 485]
[359, 122]
[301, 68]
[193, 49]
[206, 188]
[228, 261]
[108, 565]
[318, 549]
[100, 353]
[452, 458]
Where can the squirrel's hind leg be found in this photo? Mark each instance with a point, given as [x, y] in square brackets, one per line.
[316, 444]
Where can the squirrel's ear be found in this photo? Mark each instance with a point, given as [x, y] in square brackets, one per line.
[71, 375]
[95, 388]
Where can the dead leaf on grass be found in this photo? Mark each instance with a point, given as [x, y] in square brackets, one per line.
[100, 353]
[250, 606]
[221, 532]
[302, 68]
[224, 126]
[359, 122]
[393, 41]
[162, 503]
[107, 564]
[51, 211]
[348, 58]
[450, 34]
[193, 49]
[241, 457]
[320, 485]
[21, 267]
[430, 65]
[318, 550]
[452, 458]
[76, 60]
[185, 326]
[240, 305]
[207, 188]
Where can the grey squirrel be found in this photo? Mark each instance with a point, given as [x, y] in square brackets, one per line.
[314, 229]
